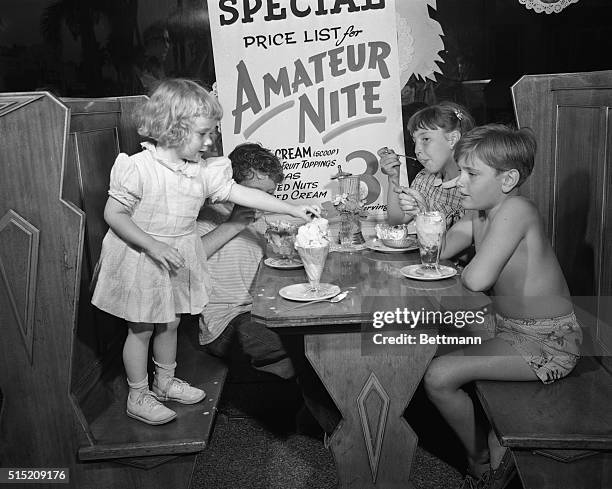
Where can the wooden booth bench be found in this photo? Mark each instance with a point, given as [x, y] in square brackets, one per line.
[61, 372]
[561, 434]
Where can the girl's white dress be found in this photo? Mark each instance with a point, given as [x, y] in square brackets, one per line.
[164, 201]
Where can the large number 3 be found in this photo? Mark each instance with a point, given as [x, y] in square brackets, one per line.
[368, 175]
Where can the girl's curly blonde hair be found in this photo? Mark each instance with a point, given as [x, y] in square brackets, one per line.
[169, 113]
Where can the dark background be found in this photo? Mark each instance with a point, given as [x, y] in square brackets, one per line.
[99, 48]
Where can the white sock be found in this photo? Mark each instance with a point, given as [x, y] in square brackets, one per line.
[163, 373]
[137, 387]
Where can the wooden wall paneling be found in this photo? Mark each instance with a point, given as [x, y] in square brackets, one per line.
[593, 135]
[129, 139]
[531, 97]
[604, 327]
[94, 137]
[96, 153]
[572, 186]
[37, 421]
[578, 194]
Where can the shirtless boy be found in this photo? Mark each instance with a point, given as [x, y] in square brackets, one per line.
[537, 335]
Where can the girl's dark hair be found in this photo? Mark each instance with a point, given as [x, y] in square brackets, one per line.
[249, 158]
[447, 116]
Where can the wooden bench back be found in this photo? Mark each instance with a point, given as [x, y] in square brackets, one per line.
[99, 129]
[572, 184]
[61, 370]
[41, 238]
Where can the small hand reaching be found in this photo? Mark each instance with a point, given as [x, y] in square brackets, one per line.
[166, 256]
[306, 212]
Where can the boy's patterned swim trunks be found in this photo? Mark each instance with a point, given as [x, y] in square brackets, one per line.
[550, 346]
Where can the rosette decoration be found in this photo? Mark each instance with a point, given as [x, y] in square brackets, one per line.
[547, 6]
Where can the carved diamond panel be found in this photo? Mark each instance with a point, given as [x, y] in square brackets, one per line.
[9, 104]
[18, 270]
[373, 403]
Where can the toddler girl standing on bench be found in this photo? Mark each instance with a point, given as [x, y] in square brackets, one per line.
[152, 266]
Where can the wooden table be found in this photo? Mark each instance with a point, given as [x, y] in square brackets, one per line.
[373, 446]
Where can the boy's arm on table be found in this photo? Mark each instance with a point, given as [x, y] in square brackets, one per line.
[216, 238]
[505, 232]
[258, 199]
[458, 238]
[118, 217]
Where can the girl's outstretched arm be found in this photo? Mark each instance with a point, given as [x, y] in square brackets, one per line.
[117, 216]
[258, 199]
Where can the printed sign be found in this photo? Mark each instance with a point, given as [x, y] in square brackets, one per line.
[317, 82]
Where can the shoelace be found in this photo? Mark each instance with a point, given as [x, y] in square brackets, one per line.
[180, 384]
[485, 481]
[147, 399]
[469, 483]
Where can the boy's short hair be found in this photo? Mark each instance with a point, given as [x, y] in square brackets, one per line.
[249, 158]
[500, 147]
[447, 116]
[169, 113]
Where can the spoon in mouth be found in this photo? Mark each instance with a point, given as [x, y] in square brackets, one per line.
[388, 151]
[409, 157]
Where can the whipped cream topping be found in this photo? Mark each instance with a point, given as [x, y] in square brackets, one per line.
[313, 234]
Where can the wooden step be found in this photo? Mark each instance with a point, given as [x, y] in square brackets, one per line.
[115, 435]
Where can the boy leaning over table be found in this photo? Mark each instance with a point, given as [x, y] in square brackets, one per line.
[537, 335]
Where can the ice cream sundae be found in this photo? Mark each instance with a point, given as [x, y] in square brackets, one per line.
[281, 238]
[395, 236]
[430, 228]
[312, 243]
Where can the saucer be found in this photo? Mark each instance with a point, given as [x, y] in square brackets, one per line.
[417, 272]
[284, 263]
[377, 245]
[302, 292]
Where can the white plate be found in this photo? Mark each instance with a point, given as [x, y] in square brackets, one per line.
[377, 245]
[283, 263]
[302, 292]
[417, 272]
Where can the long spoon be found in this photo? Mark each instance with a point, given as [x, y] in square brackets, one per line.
[333, 300]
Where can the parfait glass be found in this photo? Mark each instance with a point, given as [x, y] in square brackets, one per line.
[430, 227]
[314, 262]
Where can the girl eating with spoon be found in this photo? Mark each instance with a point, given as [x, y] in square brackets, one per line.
[435, 130]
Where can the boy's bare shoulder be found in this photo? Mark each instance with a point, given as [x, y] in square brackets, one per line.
[519, 209]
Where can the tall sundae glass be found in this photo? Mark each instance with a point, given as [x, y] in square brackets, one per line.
[430, 228]
[312, 244]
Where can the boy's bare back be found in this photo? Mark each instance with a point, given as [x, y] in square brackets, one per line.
[512, 242]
